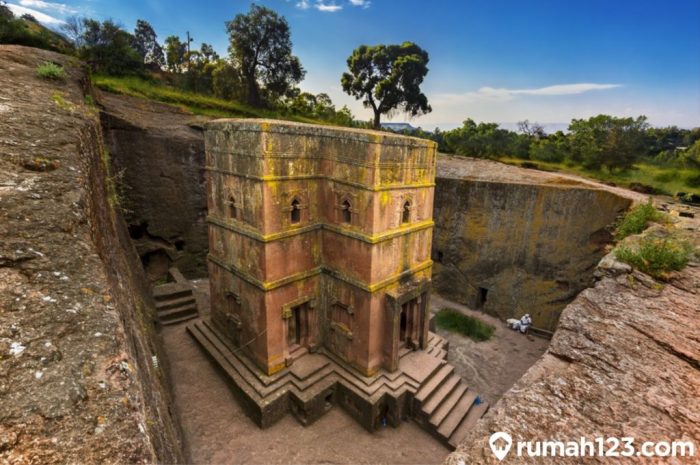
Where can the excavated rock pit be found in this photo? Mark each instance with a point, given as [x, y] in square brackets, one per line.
[511, 241]
[83, 376]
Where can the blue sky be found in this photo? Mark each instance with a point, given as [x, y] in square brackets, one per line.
[502, 61]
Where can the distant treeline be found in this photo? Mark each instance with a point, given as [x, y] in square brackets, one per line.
[260, 71]
[602, 141]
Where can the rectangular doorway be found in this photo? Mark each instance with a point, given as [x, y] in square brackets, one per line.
[298, 327]
[409, 322]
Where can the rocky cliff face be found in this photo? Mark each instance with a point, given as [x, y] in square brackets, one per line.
[512, 241]
[624, 362]
[79, 378]
[158, 154]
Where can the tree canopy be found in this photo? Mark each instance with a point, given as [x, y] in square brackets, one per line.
[261, 47]
[147, 46]
[388, 78]
[608, 141]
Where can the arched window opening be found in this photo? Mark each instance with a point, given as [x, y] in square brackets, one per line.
[406, 215]
[232, 208]
[347, 214]
[296, 211]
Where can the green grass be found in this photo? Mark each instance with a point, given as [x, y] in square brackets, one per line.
[656, 256]
[49, 70]
[457, 322]
[665, 180]
[636, 220]
[196, 103]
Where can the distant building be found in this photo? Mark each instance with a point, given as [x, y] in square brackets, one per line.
[398, 127]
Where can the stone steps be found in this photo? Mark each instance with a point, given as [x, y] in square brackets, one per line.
[455, 417]
[475, 412]
[447, 405]
[433, 383]
[429, 388]
[175, 301]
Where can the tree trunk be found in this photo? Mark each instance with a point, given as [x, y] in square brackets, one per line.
[253, 92]
[377, 123]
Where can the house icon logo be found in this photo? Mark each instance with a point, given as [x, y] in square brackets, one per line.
[500, 443]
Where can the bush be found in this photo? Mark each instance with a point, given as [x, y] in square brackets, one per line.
[667, 176]
[455, 321]
[693, 180]
[635, 220]
[657, 256]
[49, 70]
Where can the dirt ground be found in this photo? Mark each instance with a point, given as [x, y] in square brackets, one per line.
[217, 430]
[490, 367]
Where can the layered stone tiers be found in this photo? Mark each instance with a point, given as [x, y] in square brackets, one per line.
[424, 388]
[175, 301]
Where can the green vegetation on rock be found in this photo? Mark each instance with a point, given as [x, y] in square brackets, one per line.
[637, 219]
[656, 256]
[49, 70]
[455, 321]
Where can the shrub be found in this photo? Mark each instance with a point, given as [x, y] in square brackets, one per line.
[455, 321]
[635, 220]
[667, 176]
[656, 256]
[49, 70]
[693, 180]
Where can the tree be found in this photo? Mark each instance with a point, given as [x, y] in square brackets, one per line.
[5, 12]
[604, 140]
[175, 52]
[260, 46]
[532, 130]
[147, 46]
[227, 82]
[74, 28]
[387, 78]
[108, 48]
[207, 52]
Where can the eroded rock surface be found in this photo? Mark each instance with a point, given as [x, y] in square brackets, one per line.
[512, 241]
[624, 362]
[158, 154]
[77, 382]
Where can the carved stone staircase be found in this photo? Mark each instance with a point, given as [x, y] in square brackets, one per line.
[424, 387]
[175, 301]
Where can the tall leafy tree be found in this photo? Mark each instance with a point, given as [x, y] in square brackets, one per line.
[176, 53]
[261, 47]
[147, 46]
[605, 140]
[207, 52]
[388, 78]
[108, 48]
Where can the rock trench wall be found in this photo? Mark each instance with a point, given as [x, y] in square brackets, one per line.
[158, 156]
[624, 362]
[511, 248]
[78, 382]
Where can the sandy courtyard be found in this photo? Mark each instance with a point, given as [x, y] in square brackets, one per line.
[217, 431]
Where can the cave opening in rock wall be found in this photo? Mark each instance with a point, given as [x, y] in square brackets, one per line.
[481, 298]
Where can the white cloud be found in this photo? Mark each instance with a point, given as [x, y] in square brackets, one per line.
[303, 4]
[60, 8]
[363, 3]
[559, 89]
[41, 17]
[320, 5]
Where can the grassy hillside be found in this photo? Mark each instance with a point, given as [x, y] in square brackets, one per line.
[666, 180]
[196, 103]
[21, 31]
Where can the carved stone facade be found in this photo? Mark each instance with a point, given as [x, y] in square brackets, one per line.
[319, 237]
